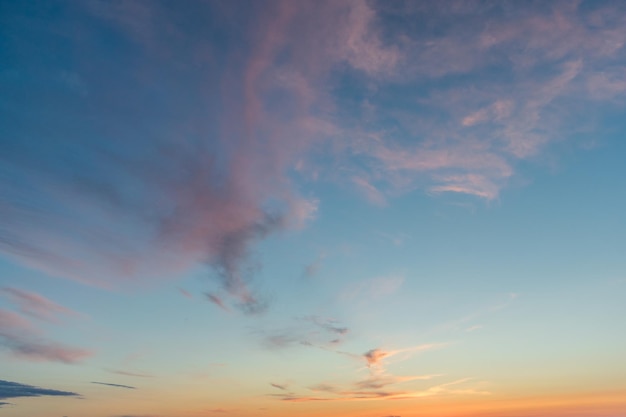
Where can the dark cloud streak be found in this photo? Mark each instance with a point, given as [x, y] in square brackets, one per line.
[9, 389]
[113, 385]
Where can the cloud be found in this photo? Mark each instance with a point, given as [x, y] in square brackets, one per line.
[114, 385]
[314, 267]
[134, 170]
[128, 373]
[306, 333]
[217, 301]
[375, 357]
[279, 386]
[336, 393]
[376, 382]
[379, 384]
[9, 389]
[468, 137]
[329, 325]
[128, 196]
[185, 293]
[37, 306]
[23, 340]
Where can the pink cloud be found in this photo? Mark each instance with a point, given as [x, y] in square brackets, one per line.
[217, 175]
[23, 340]
[36, 305]
[375, 358]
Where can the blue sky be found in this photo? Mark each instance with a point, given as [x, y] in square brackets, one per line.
[312, 208]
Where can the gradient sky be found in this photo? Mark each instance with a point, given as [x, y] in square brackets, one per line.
[312, 208]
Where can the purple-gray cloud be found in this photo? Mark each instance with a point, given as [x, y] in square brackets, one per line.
[114, 385]
[9, 389]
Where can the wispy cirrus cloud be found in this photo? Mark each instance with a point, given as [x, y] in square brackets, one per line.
[209, 192]
[468, 137]
[25, 341]
[36, 305]
[312, 331]
[114, 385]
[112, 181]
[379, 384]
[461, 387]
[129, 373]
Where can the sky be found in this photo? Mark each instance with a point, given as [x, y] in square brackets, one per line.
[312, 208]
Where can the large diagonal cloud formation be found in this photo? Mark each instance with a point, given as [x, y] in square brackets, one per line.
[159, 136]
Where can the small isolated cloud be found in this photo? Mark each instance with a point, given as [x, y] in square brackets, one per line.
[113, 385]
[185, 293]
[10, 389]
[279, 386]
[129, 373]
[314, 267]
[217, 301]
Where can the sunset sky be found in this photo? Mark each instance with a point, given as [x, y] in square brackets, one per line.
[312, 208]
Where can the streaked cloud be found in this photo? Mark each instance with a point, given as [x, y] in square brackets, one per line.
[461, 387]
[9, 389]
[114, 385]
[282, 387]
[185, 293]
[37, 306]
[23, 340]
[129, 373]
[161, 183]
[310, 331]
[217, 301]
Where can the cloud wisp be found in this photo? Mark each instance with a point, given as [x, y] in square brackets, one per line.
[129, 373]
[112, 181]
[9, 389]
[312, 331]
[379, 384]
[113, 385]
[23, 340]
[358, 392]
[37, 306]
